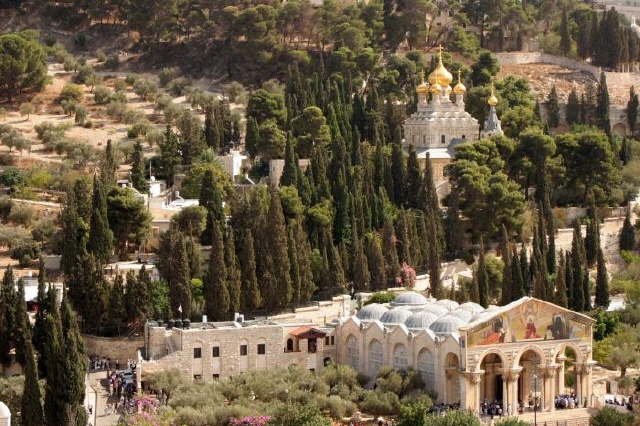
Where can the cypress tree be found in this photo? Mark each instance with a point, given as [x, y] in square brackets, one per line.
[602, 283]
[8, 304]
[602, 105]
[234, 280]
[628, 235]
[169, 154]
[561, 288]
[592, 240]
[109, 167]
[277, 280]
[569, 281]
[632, 109]
[553, 110]
[403, 243]
[586, 290]
[453, 229]
[625, 152]
[517, 290]
[303, 249]
[138, 175]
[482, 278]
[211, 200]
[413, 180]
[22, 326]
[100, 242]
[251, 298]
[375, 260]
[252, 137]
[180, 282]
[210, 130]
[39, 328]
[194, 254]
[578, 262]
[119, 306]
[392, 266]
[361, 277]
[216, 292]
[398, 174]
[73, 235]
[572, 112]
[31, 407]
[507, 278]
[565, 36]
[524, 271]
[53, 403]
[293, 262]
[290, 171]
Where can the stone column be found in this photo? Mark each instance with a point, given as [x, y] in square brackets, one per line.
[470, 390]
[560, 378]
[550, 391]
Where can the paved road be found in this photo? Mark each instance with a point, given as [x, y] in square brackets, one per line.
[98, 396]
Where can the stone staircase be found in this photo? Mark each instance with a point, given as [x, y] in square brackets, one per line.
[569, 417]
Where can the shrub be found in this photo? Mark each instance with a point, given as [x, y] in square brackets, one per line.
[381, 297]
[236, 92]
[178, 86]
[112, 63]
[12, 176]
[69, 106]
[610, 417]
[172, 112]
[118, 97]
[88, 124]
[80, 39]
[100, 55]
[336, 406]
[144, 88]
[130, 79]
[154, 137]
[139, 128]
[166, 75]
[27, 109]
[49, 40]
[71, 92]
[119, 85]
[59, 53]
[69, 63]
[6, 204]
[162, 102]
[84, 75]
[115, 110]
[101, 95]
[81, 115]
[25, 253]
[22, 214]
[379, 403]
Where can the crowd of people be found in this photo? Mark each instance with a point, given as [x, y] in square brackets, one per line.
[567, 401]
[491, 408]
[628, 402]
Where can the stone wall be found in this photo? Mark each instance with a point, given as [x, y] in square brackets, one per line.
[508, 58]
[113, 347]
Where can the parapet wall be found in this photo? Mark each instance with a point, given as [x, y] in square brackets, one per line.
[121, 348]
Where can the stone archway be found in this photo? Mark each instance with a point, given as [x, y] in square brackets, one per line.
[452, 374]
[530, 382]
[569, 378]
[619, 129]
[492, 385]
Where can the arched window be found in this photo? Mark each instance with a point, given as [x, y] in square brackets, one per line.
[376, 356]
[399, 357]
[443, 139]
[353, 352]
[426, 368]
[289, 345]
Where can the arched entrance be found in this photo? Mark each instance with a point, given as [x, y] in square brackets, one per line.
[452, 372]
[492, 385]
[530, 382]
[569, 378]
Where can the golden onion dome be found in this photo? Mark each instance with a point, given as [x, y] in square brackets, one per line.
[422, 88]
[440, 75]
[435, 87]
[493, 100]
[459, 88]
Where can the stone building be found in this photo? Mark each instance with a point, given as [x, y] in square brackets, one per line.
[439, 124]
[466, 354]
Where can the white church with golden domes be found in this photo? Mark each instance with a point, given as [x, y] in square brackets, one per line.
[440, 123]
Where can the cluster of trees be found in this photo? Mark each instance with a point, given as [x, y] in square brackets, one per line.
[23, 65]
[52, 349]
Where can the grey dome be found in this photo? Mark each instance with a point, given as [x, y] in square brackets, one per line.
[436, 309]
[421, 320]
[472, 307]
[395, 316]
[409, 298]
[449, 304]
[4, 410]
[462, 314]
[371, 312]
[446, 325]
[487, 312]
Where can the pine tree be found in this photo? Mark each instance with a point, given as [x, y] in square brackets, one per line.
[251, 298]
[216, 292]
[234, 280]
[109, 167]
[602, 283]
[482, 278]
[627, 236]
[507, 278]
[572, 112]
[211, 200]
[138, 175]
[100, 242]
[553, 110]
[560, 298]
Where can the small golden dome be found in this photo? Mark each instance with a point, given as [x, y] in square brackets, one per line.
[440, 75]
[459, 88]
[422, 88]
[435, 87]
[493, 100]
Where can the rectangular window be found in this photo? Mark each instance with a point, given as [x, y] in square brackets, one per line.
[262, 349]
[333, 340]
[326, 340]
[215, 352]
[197, 352]
[197, 376]
[155, 232]
[216, 376]
[243, 350]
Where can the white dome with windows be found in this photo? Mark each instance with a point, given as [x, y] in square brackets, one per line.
[371, 312]
[462, 314]
[449, 304]
[471, 307]
[436, 309]
[420, 320]
[395, 316]
[409, 298]
[447, 324]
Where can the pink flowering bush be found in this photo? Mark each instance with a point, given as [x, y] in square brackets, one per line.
[250, 421]
[148, 419]
[407, 276]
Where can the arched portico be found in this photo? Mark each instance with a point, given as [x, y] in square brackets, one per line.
[452, 373]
